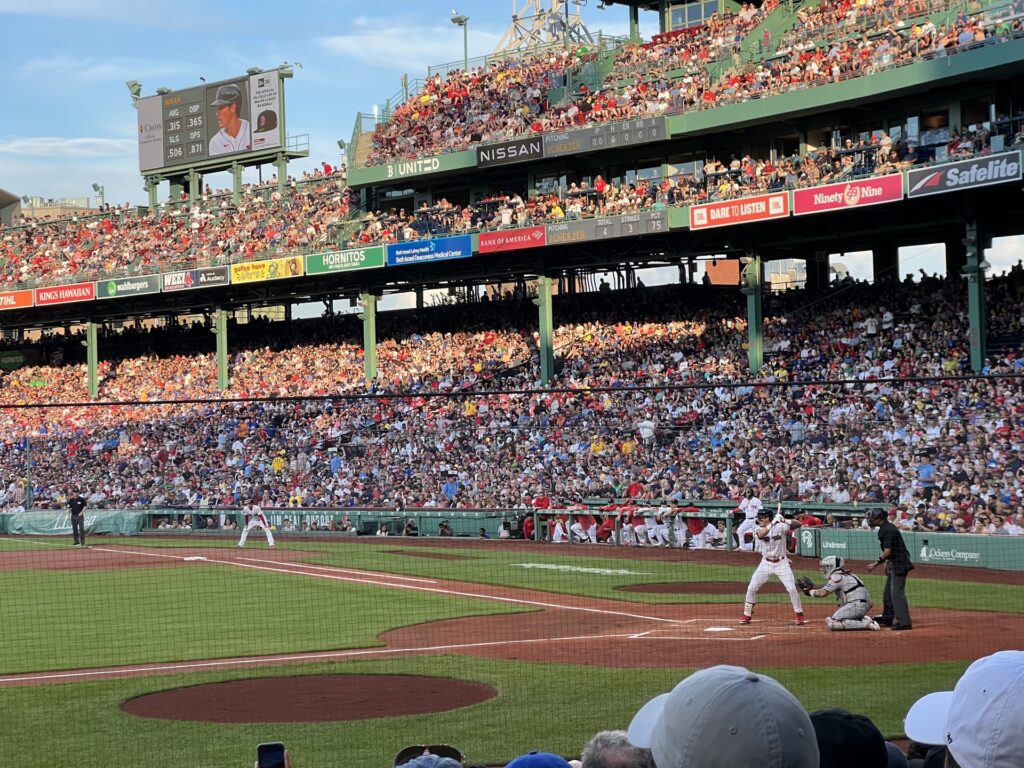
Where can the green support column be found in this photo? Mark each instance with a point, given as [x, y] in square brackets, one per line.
[751, 277]
[547, 347]
[282, 172]
[956, 257]
[92, 360]
[195, 183]
[369, 318]
[885, 263]
[151, 189]
[634, 24]
[975, 269]
[236, 183]
[177, 187]
[220, 328]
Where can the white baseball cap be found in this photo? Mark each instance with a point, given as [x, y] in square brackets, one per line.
[726, 715]
[981, 720]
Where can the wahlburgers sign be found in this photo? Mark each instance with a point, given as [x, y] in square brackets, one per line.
[964, 174]
[127, 286]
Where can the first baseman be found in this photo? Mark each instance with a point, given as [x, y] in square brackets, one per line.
[850, 593]
[254, 518]
[773, 534]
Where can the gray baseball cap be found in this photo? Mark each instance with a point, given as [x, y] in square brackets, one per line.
[227, 94]
[726, 715]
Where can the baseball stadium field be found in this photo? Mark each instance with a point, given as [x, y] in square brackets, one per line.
[190, 651]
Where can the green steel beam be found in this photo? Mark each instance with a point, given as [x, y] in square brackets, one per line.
[751, 278]
[975, 269]
[220, 328]
[547, 347]
[369, 318]
[92, 360]
[236, 183]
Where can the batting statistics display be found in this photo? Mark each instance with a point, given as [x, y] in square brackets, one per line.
[185, 127]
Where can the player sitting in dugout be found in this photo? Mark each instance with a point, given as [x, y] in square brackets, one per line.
[849, 591]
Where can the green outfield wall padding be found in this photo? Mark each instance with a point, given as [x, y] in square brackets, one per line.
[58, 523]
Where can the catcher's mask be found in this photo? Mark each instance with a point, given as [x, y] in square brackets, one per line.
[830, 565]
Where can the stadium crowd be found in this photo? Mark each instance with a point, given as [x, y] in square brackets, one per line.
[831, 42]
[731, 716]
[945, 455]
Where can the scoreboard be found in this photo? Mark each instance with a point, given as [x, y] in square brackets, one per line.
[193, 125]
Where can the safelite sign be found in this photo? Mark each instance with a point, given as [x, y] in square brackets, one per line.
[742, 211]
[851, 194]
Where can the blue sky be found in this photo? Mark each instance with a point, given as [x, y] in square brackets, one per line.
[68, 119]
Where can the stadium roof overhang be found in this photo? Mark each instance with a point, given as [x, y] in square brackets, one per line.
[643, 5]
[6, 198]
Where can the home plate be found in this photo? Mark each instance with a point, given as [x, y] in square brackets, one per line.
[719, 629]
[193, 558]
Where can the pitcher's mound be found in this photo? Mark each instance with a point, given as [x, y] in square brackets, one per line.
[310, 699]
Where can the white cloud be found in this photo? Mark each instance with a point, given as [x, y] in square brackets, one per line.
[56, 147]
[404, 46]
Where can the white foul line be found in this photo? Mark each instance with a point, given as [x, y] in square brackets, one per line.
[346, 570]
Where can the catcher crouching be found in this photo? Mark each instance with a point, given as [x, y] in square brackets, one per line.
[849, 591]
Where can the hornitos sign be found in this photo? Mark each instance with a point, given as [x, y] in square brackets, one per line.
[964, 174]
[345, 261]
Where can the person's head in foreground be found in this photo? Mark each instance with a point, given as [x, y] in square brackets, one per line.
[539, 760]
[726, 716]
[846, 740]
[981, 721]
[613, 749]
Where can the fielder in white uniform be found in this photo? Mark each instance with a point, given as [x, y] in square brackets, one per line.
[773, 534]
[751, 508]
[850, 593]
[254, 518]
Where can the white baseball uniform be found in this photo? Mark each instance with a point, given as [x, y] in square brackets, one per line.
[774, 561]
[254, 518]
[854, 603]
[750, 508]
[224, 143]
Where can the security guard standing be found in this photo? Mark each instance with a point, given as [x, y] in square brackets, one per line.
[76, 505]
[895, 612]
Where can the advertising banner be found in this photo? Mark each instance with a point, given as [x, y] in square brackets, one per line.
[207, 277]
[16, 299]
[967, 550]
[507, 152]
[420, 251]
[964, 174]
[567, 232]
[742, 211]
[345, 261]
[270, 269]
[851, 194]
[512, 239]
[65, 294]
[122, 287]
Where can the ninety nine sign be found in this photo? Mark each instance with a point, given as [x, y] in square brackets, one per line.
[964, 174]
[16, 299]
[519, 151]
[440, 249]
[742, 211]
[345, 261]
[512, 239]
[208, 277]
[852, 194]
[65, 294]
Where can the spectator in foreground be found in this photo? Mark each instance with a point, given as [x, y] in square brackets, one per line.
[726, 715]
[612, 749]
[846, 740]
[981, 721]
[539, 760]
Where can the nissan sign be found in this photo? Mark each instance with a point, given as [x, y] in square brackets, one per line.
[964, 174]
[520, 151]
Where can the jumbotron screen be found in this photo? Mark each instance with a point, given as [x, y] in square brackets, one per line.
[231, 117]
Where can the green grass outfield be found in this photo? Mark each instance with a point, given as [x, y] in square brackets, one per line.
[65, 619]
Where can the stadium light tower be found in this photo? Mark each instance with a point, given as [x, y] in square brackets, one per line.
[135, 89]
[463, 21]
[99, 189]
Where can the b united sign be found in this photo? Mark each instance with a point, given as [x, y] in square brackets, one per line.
[964, 174]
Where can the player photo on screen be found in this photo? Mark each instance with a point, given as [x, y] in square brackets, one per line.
[228, 109]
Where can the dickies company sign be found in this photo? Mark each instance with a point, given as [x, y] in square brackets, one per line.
[851, 194]
[190, 279]
[65, 294]
[507, 152]
[16, 299]
[964, 174]
[742, 211]
[512, 239]
[122, 287]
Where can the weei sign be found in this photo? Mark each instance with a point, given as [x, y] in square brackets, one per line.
[191, 279]
[964, 174]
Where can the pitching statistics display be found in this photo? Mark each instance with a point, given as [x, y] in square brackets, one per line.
[193, 125]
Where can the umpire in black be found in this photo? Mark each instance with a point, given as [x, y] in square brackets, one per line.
[895, 612]
[76, 505]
